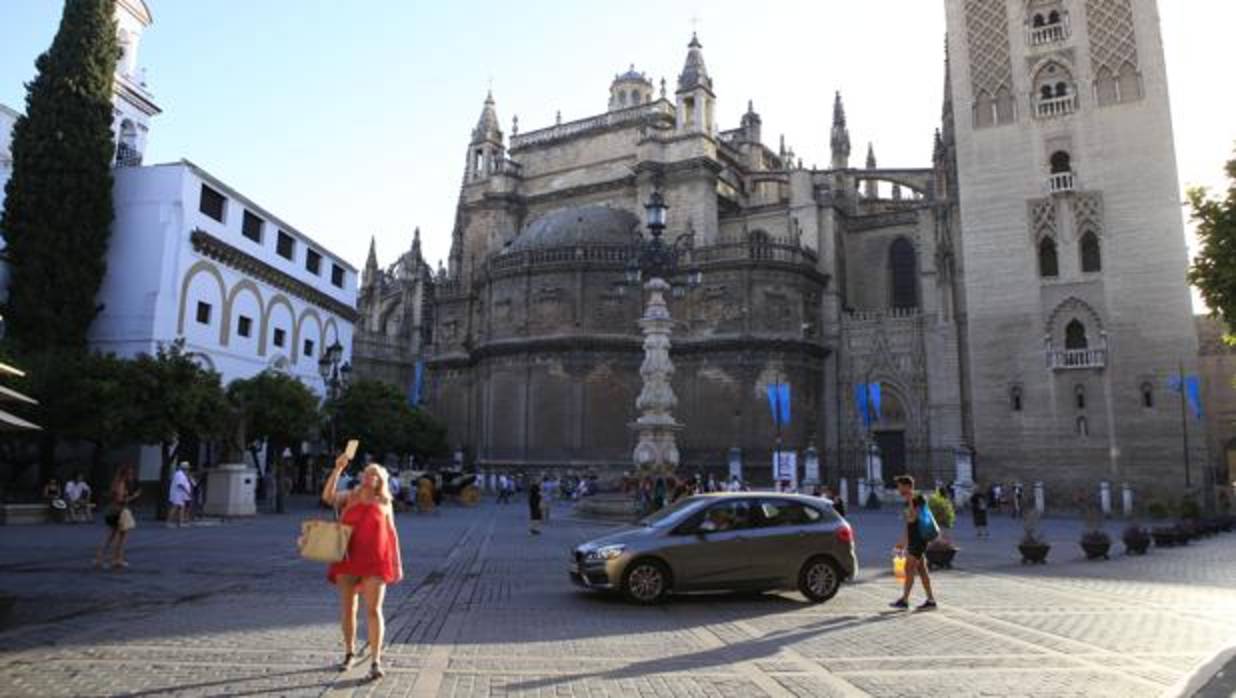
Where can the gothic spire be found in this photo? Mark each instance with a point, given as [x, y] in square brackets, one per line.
[416, 243]
[840, 135]
[694, 73]
[487, 129]
[871, 158]
[371, 263]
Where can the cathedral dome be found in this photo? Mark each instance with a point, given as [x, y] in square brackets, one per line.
[588, 225]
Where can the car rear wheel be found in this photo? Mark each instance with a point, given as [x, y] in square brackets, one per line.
[646, 581]
[819, 579]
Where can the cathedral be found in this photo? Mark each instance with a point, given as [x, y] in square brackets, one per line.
[1011, 312]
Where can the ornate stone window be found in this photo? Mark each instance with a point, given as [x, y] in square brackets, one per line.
[1055, 91]
[1079, 397]
[1091, 254]
[903, 274]
[1061, 180]
[1049, 267]
[1083, 427]
[1015, 398]
[1147, 391]
[1048, 25]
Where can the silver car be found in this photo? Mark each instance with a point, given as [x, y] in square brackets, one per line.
[730, 541]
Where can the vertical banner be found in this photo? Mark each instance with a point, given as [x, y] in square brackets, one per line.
[418, 382]
[783, 399]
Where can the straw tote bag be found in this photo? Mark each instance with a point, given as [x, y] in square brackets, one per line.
[323, 541]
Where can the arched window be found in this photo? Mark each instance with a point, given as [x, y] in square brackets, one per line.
[1061, 162]
[1062, 89]
[1147, 395]
[903, 268]
[1091, 256]
[1053, 17]
[1015, 398]
[984, 110]
[1079, 396]
[1048, 265]
[1075, 335]
[1083, 427]
[1038, 21]
[1004, 106]
[126, 149]
[1045, 92]
[1105, 86]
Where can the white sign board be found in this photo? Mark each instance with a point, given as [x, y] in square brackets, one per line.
[785, 467]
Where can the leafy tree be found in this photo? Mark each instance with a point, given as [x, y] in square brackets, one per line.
[1214, 270]
[106, 414]
[58, 206]
[278, 409]
[379, 415]
[177, 400]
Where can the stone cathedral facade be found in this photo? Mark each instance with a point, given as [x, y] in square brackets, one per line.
[1021, 301]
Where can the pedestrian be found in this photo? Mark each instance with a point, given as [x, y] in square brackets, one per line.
[373, 559]
[425, 503]
[504, 494]
[914, 545]
[119, 519]
[659, 489]
[77, 495]
[548, 487]
[534, 508]
[179, 495]
[1017, 492]
[978, 511]
[735, 484]
[837, 500]
[997, 494]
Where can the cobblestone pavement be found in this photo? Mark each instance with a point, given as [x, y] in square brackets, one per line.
[487, 610]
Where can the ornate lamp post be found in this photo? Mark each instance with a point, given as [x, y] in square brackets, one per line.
[335, 374]
[656, 450]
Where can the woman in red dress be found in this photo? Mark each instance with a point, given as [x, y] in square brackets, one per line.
[373, 559]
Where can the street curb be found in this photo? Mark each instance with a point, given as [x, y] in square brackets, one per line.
[1197, 680]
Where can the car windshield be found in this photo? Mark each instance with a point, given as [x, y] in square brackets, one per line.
[672, 514]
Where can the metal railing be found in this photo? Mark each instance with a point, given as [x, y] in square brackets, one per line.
[1056, 106]
[1063, 359]
[127, 156]
[1060, 183]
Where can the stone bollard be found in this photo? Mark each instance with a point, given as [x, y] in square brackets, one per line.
[1105, 497]
[1126, 495]
[863, 491]
[843, 490]
[1039, 500]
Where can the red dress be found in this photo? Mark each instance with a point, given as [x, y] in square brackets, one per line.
[373, 549]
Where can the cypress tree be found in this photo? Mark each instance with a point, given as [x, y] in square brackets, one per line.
[58, 207]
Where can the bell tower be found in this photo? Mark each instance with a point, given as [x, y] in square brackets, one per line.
[1078, 312]
[134, 105]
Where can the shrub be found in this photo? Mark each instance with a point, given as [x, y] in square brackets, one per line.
[1159, 510]
[1189, 508]
[942, 508]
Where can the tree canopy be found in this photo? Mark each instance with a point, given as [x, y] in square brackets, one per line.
[58, 207]
[380, 416]
[274, 407]
[1214, 269]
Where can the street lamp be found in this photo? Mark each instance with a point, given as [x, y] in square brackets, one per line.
[657, 261]
[336, 374]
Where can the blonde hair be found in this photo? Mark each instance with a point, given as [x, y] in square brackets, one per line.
[383, 491]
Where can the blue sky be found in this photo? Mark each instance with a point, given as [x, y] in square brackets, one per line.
[351, 119]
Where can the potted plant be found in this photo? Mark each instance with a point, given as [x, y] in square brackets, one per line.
[1136, 540]
[941, 551]
[1165, 535]
[1095, 541]
[1033, 547]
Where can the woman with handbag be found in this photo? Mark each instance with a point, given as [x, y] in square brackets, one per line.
[372, 560]
[119, 518]
[918, 533]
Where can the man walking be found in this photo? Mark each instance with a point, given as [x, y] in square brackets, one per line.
[77, 492]
[180, 495]
[914, 545]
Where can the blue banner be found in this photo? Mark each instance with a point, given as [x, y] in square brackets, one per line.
[418, 382]
[1193, 389]
[860, 404]
[875, 401]
[771, 390]
[783, 397]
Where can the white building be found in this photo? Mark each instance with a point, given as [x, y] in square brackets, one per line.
[191, 257]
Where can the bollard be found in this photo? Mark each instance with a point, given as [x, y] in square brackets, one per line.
[843, 490]
[1105, 497]
[1126, 493]
[1039, 500]
[863, 491]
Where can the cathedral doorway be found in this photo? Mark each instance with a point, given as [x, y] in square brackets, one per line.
[892, 444]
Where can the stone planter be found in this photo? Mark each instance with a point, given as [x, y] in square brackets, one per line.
[940, 557]
[1165, 537]
[1034, 553]
[1096, 549]
[1136, 545]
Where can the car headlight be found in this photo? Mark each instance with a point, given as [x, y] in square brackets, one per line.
[607, 552]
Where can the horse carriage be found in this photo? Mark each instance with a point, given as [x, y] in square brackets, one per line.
[458, 485]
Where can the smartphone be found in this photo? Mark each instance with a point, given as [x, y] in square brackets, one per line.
[350, 450]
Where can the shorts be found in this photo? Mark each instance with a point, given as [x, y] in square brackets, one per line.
[915, 545]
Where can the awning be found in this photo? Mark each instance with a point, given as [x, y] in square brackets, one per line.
[9, 394]
[10, 422]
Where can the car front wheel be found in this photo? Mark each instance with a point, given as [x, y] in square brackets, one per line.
[819, 579]
[645, 581]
